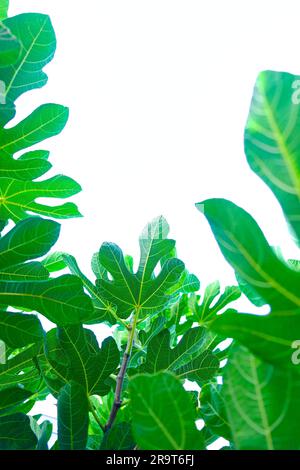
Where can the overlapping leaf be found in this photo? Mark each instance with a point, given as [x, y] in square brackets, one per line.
[163, 416]
[272, 139]
[246, 249]
[35, 33]
[190, 359]
[72, 417]
[16, 433]
[213, 411]
[10, 47]
[73, 354]
[262, 403]
[143, 291]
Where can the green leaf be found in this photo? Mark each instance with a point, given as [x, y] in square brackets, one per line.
[16, 433]
[73, 417]
[246, 249]
[272, 139]
[35, 33]
[163, 416]
[262, 403]
[29, 239]
[119, 437]
[21, 369]
[43, 433]
[18, 329]
[212, 302]
[189, 359]
[11, 397]
[3, 9]
[34, 271]
[29, 168]
[61, 300]
[213, 411]
[271, 336]
[74, 354]
[54, 262]
[10, 47]
[44, 122]
[142, 291]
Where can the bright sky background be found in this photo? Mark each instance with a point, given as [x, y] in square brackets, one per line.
[159, 93]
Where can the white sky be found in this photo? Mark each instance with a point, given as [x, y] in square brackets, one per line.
[159, 93]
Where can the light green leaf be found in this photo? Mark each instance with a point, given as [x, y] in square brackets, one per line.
[35, 33]
[21, 369]
[142, 291]
[272, 139]
[54, 262]
[271, 336]
[3, 9]
[29, 168]
[73, 417]
[10, 47]
[61, 300]
[163, 416]
[16, 433]
[74, 354]
[246, 249]
[189, 359]
[262, 403]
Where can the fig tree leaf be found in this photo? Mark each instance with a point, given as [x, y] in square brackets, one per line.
[21, 369]
[19, 329]
[22, 168]
[84, 362]
[54, 262]
[272, 139]
[163, 416]
[16, 433]
[268, 336]
[29, 239]
[61, 300]
[34, 271]
[35, 33]
[73, 417]
[247, 250]
[213, 411]
[11, 397]
[262, 403]
[189, 359]
[143, 291]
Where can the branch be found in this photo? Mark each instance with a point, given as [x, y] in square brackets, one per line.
[121, 375]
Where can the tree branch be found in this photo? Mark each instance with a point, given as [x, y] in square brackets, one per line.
[121, 375]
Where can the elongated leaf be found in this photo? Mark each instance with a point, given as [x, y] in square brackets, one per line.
[34, 271]
[43, 433]
[37, 37]
[18, 329]
[73, 417]
[75, 355]
[163, 417]
[29, 168]
[262, 403]
[16, 433]
[61, 300]
[142, 291]
[29, 239]
[272, 139]
[271, 337]
[189, 359]
[246, 249]
[54, 262]
[11, 397]
[47, 120]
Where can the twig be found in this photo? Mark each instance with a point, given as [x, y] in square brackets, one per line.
[121, 375]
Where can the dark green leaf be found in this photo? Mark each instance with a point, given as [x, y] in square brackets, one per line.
[16, 433]
[19, 329]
